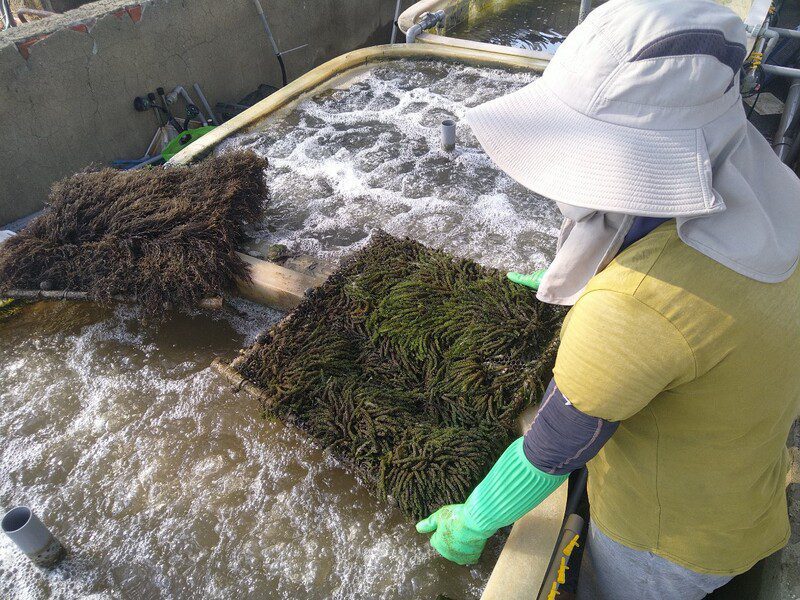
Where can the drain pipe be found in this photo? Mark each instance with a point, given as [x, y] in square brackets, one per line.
[586, 6]
[448, 135]
[275, 49]
[427, 21]
[32, 537]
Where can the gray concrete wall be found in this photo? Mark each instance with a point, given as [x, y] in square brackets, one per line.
[67, 82]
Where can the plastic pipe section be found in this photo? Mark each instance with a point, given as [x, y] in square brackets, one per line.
[427, 21]
[32, 537]
[586, 6]
[172, 97]
[448, 135]
[783, 136]
[782, 71]
[793, 33]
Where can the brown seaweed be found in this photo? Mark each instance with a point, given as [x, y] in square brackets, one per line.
[164, 236]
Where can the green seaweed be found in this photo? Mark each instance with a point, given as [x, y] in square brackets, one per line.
[411, 366]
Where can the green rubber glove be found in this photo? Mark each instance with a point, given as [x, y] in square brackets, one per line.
[532, 281]
[511, 489]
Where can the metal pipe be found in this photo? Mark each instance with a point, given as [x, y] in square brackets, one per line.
[32, 537]
[265, 23]
[427, 21]
[782, 71]
[787, 130]
[205, 104]
[395, 26]
[586, 6]
[448, 135]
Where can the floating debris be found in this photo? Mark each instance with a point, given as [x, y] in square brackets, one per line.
[166, 237]
[410, 365]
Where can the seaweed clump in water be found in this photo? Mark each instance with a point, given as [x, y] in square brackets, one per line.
[410, 365]
[165, 236]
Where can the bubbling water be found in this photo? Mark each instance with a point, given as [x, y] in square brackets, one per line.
[165, 484]
[347, 161]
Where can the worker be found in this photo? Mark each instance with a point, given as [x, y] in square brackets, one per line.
[676, 380]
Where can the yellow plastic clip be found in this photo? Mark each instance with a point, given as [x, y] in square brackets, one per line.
[562, 571]
[553, 592]
[571, 546]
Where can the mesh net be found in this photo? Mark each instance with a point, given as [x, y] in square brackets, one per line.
[411, 366]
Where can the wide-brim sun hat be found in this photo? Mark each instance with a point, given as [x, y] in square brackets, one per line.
[592, 133]
[639, 113]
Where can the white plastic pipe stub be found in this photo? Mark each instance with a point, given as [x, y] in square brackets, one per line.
[31, 536]
[448, 135]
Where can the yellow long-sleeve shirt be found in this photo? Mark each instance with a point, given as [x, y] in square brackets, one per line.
[702, 366]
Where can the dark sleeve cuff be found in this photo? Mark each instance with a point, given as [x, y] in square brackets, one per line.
[562, 438]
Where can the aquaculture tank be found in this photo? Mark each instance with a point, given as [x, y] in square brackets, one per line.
[364, 152]
[164, 483]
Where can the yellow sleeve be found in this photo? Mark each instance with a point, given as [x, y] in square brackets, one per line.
[617, 354]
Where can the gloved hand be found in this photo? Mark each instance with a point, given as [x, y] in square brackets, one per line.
[452, 536]
[532, 281]
[511, 489]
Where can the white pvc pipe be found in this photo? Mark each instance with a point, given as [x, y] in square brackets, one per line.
[448, 135]
[172, 98]
[31, 536]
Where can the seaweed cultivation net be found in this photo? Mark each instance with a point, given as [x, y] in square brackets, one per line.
[411, 366]
[166, 236]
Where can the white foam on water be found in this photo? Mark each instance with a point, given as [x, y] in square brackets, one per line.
[166, 485]
[345, 162]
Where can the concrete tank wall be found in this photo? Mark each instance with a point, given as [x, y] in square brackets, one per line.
[67, 83]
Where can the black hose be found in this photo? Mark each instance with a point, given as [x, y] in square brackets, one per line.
[283, 69]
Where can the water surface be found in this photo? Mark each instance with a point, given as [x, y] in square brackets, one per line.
[539, 25]
[166, 485]
[163, 482]
[347, 161]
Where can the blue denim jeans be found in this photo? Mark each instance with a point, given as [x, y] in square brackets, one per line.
[611, 571]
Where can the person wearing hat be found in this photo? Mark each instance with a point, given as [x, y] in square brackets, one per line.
[676, 381]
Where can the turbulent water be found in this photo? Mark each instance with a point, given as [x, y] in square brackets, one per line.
[539, 25]
[349, 160]
[165, 484]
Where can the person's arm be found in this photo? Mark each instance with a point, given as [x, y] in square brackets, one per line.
[616, 355]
